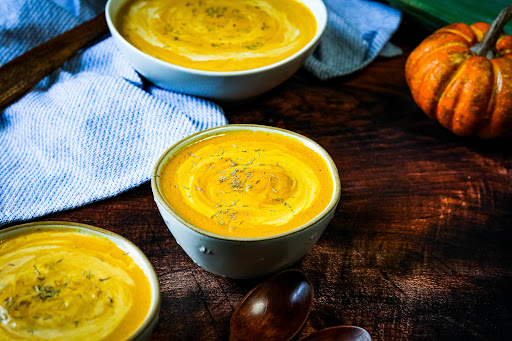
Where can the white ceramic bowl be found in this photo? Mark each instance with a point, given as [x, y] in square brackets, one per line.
[238, 257]
[227, 86]
[146, 328]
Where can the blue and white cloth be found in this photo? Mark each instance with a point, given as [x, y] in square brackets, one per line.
[94, 128]
[357, 32]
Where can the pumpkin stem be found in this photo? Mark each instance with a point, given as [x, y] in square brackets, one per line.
[488, 43]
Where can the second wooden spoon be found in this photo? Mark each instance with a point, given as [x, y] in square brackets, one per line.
[339, 333]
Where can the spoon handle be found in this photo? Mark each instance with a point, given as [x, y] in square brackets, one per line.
[24, 72]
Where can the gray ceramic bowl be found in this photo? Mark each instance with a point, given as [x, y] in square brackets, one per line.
[232, 85]
[238, 257]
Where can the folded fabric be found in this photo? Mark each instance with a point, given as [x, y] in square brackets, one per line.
[356, 32]
[94, 128]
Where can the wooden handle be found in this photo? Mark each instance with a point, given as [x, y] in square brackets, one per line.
[24, 72]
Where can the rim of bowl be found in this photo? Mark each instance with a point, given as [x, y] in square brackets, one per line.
[154, 307]
[183, 143]
[321, 25]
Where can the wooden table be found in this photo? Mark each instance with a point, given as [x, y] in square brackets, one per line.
[420, 245]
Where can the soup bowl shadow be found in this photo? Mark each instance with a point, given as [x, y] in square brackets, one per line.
[244, 257]
[216, 85]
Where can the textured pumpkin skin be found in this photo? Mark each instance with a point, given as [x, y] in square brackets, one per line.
[467, 94]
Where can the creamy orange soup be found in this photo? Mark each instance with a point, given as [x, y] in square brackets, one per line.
[217, 35]
[57, 284]
[247, 184]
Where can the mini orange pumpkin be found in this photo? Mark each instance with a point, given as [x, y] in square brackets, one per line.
[468, 92]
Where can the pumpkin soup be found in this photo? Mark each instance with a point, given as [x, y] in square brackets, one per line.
[217, 35]
[247, 183]
[60, 284]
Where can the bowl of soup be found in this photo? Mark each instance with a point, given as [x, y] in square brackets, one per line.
[219, 49]
[67, 281]
[244, 201]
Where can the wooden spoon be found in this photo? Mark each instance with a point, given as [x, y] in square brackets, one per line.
[339, 333]
[24, 72]
[274, 310]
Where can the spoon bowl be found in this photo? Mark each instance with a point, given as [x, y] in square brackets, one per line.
[274, 310]
[339, 333]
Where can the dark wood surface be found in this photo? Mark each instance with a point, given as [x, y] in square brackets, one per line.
[420, 245]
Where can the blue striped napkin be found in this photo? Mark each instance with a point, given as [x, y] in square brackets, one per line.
[357, 32]
[94, 128]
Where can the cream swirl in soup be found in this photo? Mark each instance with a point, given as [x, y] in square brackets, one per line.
[57, 284]
[217, 35]
[247, 184]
